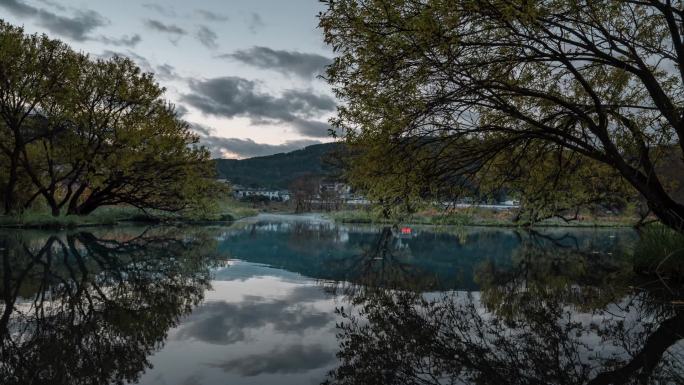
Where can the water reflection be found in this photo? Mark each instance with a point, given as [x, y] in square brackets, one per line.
[83, 309]
[272, 301]
[559, 314]
[425, 259]
[226, 323]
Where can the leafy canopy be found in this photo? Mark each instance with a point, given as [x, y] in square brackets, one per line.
[82, 133]
[564, 102]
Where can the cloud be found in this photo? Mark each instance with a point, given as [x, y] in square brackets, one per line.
[126, 41]
[292, 359]
[207, 37]
[225, 323]
[181, 110]
[171, 29]
[231, 97]
[312, 128]
[254, 22]
[166, 72]
[161, 72]
[304, 65]
[54, 5]
[200, 128]
[141, 61]
[221, 147]
[163, 10]
[211, 16]
[76, 27]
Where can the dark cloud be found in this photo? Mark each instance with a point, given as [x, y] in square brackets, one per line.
[163, 10]
[247, 148]
[76, 27]
[231, 97]
[291, 359]
[108, 54]
[166, 72]
[225, 323]
[211, 16]
[207, 37]
[200, 128]
[308, 103]
[126, 41]
[181, 111]
[312, 128]
[305, 65]
[194, 379]
[170, 29]
[255, 22]
[141, 61]
[54, 5]
[161, 72]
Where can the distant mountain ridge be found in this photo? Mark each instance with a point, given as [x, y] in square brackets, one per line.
[279, 170]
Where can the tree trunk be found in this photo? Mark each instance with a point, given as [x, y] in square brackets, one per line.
[54, 208]
[10, 198]
[668, 211]
[85, 208]
[642, 364]
[670, 215]
[73, 202]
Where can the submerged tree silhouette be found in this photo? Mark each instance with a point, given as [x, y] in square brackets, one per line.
[542, 322]
[79, 309]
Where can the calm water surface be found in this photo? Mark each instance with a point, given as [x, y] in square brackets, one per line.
[287, 300]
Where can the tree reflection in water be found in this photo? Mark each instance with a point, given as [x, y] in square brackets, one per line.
[82, 309]
[560, 316]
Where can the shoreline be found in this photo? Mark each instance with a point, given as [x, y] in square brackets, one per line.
[359, 217]
[132, 221]
[502, 225]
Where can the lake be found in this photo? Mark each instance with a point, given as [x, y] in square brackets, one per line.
[301, 300]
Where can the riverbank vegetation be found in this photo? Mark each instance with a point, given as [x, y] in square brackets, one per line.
[221, 210]
[79, 133]
[659, 252]
[481, 216]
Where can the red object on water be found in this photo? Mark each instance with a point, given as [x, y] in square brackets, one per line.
[406, 230]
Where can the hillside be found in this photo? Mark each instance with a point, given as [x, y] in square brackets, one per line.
[277, 171]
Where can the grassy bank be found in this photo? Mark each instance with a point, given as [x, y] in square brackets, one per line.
[220, 211]
[476, 217]
[660, 251]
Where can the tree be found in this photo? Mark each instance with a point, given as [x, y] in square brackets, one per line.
[444, 93]
[304, 190]
[34, 72]
[93, 132]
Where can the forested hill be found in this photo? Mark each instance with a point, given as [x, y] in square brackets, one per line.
[277, 171]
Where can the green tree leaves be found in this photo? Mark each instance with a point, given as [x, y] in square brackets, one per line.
[443, 94]
[83, 133]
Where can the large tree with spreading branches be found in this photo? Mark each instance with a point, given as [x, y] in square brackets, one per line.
[567, 102]
[79, 133]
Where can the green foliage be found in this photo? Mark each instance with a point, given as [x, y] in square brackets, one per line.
[212, 210]
[82, 133]
[659, 251]
[559, 102]
[557, 183]
[356, 216]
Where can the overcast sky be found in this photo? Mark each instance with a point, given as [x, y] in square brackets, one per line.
[243, 72]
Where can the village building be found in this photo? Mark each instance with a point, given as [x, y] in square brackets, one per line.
[240, 192]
